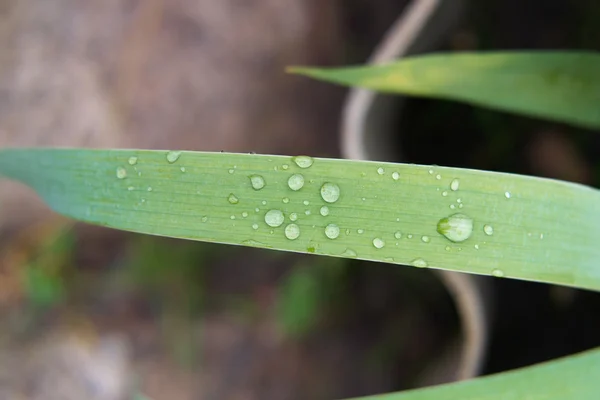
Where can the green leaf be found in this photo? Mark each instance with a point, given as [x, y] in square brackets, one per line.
[574, 377]
[557, 85]
[522, 227]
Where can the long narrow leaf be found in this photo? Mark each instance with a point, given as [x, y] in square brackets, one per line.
[462, 220]
[558, 85]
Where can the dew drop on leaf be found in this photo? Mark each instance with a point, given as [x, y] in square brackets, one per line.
[324, 211]
[332, 231]
[121, 173]
[173, 156]
[456, 228]
[293, 216]
[419, 263]
[378, 243]
[330, 192]
[133, 160]
[398, 235]
[395, 176]
[274, 218]
[349, 253]
[425, 239]
[296, 182]
[488, 229]
[257, 182]
[380, 171]
[498, 273]
[292, 231]
[232, 199]
[454, 185]
[303, 161]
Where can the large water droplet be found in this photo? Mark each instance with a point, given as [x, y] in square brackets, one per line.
[232, 199]
[378, 243]
[173, 156]
[330, 192]
[488, 229]
[454, 185]
[293, 216]
[349, 253]
[121, 173]
[456, 228]
[324, 211]
[498, 273]
[274, 218]
[419, 263]
[292, 231]
[296, 182]
[133, 160]
[303, 161]
[332, 231]
[257, 182]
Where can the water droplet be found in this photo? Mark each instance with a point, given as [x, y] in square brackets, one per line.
[257, 182]
[425, 239]
[360, 231]
[303, 161]
[232, 217]
[296, 182]
[476, 247]
[244, 214]
[447, 248]
[133, 160]
[232, 199]
[444, 193]
[488, 229]
[378, 243]
[332, 231]
[231, 170]
[458, 200]
[330, 192]
[121, 173]
[380, 171]
[182, 169]
[285, 166]
[454, 185]
[409, 236]
[452, 206]
[347, 232]
[204, 219]
[293, 217]
[349, 253]
[419, 263]
[498, 273]
[292, 231]
[256, 209]
[430, 172]
[285, 200]
[324, 211]
[173, 156]
[438, 177]
[149, 188]
[507, 195]
[264, 202]
[306, 202]
[130, 188]
[395, 176]
[307, 212]
[255, 226]
[456, 228]
[139, 173]
[274, 218]
[398, 235]
[541, 236]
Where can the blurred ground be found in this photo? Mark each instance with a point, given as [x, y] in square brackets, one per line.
[98, 314]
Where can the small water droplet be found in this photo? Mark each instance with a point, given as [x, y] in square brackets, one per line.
[452, 206]
[360, 231]
[139, 173]
[293, 216]
[460, 205]
[347, 232]
[458, 200]
[292, 231]
[274, 218]
[204, 218]
[507, 195]
[488, 229]
[303, 161]
[296, 182]
[231, 170]
[264, 202]
[419, 263]
[447, 248]
[456, 228]
[498, 273]
[285, 200]
[409, 236]
[133, 160]
[541, 236]
[425, 239]
[285, 166]
[332, 231]
[395, 176]
[173, 156]
[182, 169]
[232, 217]
[130, 188]
[324, 211]
[398, 235]
[149, 188]
[232, 199]
[430, 172]
[349, 253]
[444, 193]
[380, 171]
[256, 209]
[244, 214]
[364, 199]
[121, 173]
[257, 182]
[378, 243]
[438, 177]
[307, 212]
[363, 174]
[330, 192]
[454, 185]
[255, 226]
